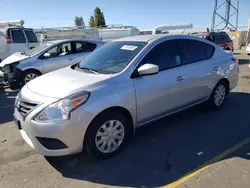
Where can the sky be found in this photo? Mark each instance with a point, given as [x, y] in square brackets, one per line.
[144, 14]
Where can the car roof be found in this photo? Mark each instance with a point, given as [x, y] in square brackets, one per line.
[143, 38]
[73, 40]
[152, 38]
[200, 33]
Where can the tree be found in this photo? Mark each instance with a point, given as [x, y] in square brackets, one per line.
[99, 18]
[79, 21]
[92, 21]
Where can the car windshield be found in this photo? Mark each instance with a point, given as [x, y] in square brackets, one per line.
[38, 49]
[112, 57]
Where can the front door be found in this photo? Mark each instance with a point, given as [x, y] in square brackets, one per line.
[60, 56]
[161, 93]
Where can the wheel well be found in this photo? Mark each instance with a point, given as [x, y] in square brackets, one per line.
[29, 70]
[124, 112]
[225, 80]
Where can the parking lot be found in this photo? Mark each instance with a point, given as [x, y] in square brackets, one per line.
[194, 148]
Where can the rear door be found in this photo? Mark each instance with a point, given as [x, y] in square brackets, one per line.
[19, 43]
[196, 70]
[31, 38]
[82, 49]
[60, 56]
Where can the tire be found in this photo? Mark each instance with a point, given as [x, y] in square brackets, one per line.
[218, 97]
[96, 127]
[32, 73]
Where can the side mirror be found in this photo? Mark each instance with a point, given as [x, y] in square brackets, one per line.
[148, 69]
[47, 55]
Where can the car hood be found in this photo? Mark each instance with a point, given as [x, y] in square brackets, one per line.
[13, 58]
[65, 82]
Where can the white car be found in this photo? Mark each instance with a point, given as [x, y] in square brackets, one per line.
[15, 39]
[248, 49]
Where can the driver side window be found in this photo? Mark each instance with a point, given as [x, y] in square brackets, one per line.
[60, 50]
[166, 55]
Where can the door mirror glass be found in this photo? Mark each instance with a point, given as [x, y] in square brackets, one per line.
[47, 55]
[148, 69]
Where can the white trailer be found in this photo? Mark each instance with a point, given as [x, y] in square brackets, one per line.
[58, 33]
[165, 28]
[117, 31]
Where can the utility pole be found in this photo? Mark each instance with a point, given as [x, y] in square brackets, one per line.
[225, 15]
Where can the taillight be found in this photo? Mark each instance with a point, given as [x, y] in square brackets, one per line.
[235, 60]
[9, 41]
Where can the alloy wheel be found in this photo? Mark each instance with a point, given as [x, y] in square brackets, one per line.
[219, 95]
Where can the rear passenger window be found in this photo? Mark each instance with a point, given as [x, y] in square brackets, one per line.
[192, 51]
[225, 38]
[209, 50]
[31, 36]
[85, 47]
[165, 55]
[18, 36]
[217, 39]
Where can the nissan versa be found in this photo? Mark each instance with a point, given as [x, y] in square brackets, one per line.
[127, 83]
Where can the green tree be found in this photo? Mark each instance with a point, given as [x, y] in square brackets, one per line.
[92, 21]
[99, 18]
[79, 21]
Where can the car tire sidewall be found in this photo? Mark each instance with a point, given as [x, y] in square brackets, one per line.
[212, 99]
[94, 127]
[27, 73]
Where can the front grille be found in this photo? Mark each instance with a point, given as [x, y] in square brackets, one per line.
[24, 107]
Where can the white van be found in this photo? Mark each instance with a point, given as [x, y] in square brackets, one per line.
[15, 39]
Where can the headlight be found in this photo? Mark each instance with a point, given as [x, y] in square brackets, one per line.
[63, 108]
[10, 67]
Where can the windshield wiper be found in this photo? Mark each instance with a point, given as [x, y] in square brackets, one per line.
[89, 69]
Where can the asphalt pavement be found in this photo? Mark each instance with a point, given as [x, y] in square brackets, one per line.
[174, 151]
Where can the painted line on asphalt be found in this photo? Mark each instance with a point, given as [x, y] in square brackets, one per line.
[207, 164]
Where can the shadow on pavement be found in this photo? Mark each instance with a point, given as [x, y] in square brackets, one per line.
[166, 150]
[7, 100]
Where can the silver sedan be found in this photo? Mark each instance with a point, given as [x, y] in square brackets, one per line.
[121, 86]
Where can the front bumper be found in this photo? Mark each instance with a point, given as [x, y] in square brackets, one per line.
[1, 76]
[69, 132]
[11, 76]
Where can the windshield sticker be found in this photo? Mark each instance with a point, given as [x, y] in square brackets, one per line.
[129, 47]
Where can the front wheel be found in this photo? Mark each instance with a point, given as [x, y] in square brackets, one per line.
[28, 76]
[107, 134]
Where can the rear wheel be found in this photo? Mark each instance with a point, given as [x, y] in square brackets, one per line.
[29, 75]
[217, 98]
[107, 134]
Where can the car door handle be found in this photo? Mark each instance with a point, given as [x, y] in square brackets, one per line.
[216, 69]
[180, 78]
[71, 58]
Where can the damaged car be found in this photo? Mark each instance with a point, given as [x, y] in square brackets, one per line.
[20, 68]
